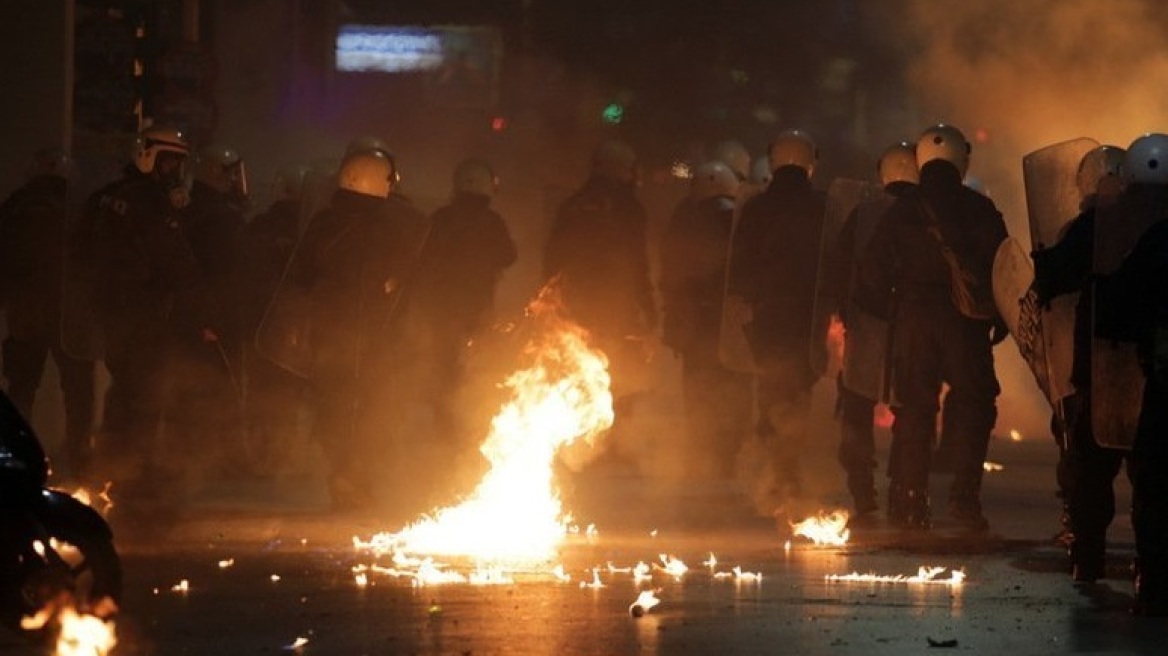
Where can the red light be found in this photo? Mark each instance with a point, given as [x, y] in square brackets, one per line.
[498, 124]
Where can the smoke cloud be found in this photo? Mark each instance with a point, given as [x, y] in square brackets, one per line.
[1017, 75]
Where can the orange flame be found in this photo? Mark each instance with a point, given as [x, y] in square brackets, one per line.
[924, 576]
[515, 514]
[828, 529]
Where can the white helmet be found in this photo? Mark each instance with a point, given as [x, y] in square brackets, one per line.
[733, 154]
[793, 147]
[760, 173]
[713, 179]
[369, 143]
[369, 173]
[1146, 161]
[615, 160]
[222, 168]
[474, 176]
[898, 163]
[944, 142]
[1097, 164]
[155, 140]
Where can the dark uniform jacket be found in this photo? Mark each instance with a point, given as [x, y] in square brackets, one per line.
[349, 252]
[774, 265]
[265, 249]
[598, 246]
[467, 249]
[693, 271]
[1065, 268]
[902, 255]
[33, 221]
[146, 279]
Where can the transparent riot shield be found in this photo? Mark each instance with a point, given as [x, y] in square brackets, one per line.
[80, 334]
[1117, 382]
[1013, 279]
[1052, 200]
[868, 338]
[827, 345]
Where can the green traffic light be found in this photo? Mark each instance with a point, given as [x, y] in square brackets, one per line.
[613, 113]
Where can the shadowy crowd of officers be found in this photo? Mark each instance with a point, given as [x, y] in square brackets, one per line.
[749, 274]
[162, 277]
[198, 307]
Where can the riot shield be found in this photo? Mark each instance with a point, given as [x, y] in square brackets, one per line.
[1013, 279]
[868, 339]
[843, 196]
[1052, 195]
[1052, 200]
[1117, 382]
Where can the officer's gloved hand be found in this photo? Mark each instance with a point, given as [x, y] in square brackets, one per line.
[998, 332]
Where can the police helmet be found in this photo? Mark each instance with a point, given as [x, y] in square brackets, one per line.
[222, 168]
[898, 163]
[156, 140]
[713, 179]
[760, 172]
[793, 148]
[733, 154]
[1097, 164]
[1146, 161]
[369, 173]
[944, 142]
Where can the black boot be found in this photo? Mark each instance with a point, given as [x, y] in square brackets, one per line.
[965, 505]
[1151, 590]
[1088, 560]
[908, 507]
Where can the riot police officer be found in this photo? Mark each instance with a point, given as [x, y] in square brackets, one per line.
[350, 263]
[935, 247]
[772, 274]
[598, 251]
[1085, 469]
[465, 254]
[693, 251]
[897, 172]
[148, 291]
[35, 230]
[1132, 305]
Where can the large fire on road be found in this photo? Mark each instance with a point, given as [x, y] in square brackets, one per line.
[515, 515]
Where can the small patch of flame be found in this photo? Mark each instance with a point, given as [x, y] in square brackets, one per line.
[672, 566]
[275, 578]
[182, 587]
[712, 562]
[561, 575]
[297, 644]
[490, 576]
[226, 562]
[992, 466]
[596, 582]
[103, 503]
[825, 529]
[613, 569]
[84, 634]
[646, 600]
[1015, 435]
[924, 576]
[642, 573]
[361, 579]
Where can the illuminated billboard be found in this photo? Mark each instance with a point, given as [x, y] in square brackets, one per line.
[410, 49]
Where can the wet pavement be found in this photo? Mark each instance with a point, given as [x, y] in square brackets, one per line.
[291, 577]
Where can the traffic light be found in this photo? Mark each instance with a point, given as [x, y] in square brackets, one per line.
[613, 113]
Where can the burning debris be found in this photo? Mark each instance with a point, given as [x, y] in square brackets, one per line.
[825, 529]
[645, 601]
[924, 576]
[672, 566]
[79, 633]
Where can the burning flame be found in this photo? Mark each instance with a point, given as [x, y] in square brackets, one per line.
[645, 602]
[825, 529]
[102, 502]
[924, 576]
[673, 566]
[515, 514]
[992, 466]
[84, 635]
